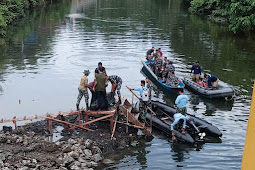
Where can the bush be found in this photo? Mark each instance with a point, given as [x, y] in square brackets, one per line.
[240, 14]
[13, 9]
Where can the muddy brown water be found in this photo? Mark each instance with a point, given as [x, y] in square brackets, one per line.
[46, 52]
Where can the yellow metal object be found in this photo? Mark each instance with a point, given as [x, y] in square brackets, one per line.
[248, 162]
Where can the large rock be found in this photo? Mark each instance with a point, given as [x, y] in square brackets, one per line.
[3, 138]
[88, 143]
[68, 160]
[50, 147]
[66, 149]
[74, 154]
[92, 164]
[95, 150]
[87, 152]
[97, 157]
[2, 157]
[71, 141]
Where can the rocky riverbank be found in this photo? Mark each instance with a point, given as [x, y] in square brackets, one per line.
[29, 146]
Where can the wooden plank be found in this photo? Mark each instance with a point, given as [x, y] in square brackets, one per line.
[60, 121]
[68, 113]
[92, 121]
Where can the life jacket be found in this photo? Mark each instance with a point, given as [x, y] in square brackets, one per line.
[145, 95]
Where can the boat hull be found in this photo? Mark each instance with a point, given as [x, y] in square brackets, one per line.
[159, 124]
[202, 125]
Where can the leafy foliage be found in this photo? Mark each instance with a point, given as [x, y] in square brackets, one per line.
[13, 9]
[240, 14]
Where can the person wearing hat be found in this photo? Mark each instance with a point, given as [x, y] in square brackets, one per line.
[83, 90]
[100, 65]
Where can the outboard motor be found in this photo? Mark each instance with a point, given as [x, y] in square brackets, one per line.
[190, 120]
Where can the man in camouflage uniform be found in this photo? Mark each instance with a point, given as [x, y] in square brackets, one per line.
[116, 82]
[173, 80]
[158, 64]
[83, 90]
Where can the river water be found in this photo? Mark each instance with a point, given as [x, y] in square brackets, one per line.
[45, 54]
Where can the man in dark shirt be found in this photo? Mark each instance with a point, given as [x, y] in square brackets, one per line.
[212, 81]
[100, 90]
[148, 54]
[196, 69]
[100, 65]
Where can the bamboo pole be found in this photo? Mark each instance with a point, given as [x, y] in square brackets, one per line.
[92, 121]
[60, 121]
[127, 121]
[114, 127]
[130, 125]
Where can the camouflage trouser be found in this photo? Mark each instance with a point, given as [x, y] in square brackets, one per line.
[119, 87]
[83, 93]
[181, 110]
[143, 109]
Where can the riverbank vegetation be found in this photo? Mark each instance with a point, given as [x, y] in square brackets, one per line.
[238, 14]
[11, 10]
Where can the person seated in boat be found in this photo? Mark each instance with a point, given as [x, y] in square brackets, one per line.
[116, 82]
[164, 61]
[170, 67]
[144, 98]
[177, 118]
[158, 65]
[196, 70]
[173, 80]
[161, 73]
[212, 81]
[181, 102]
[155, 55]
[164, 73]
[149, 54]
[83, 90]
[100, 65]
[160, 52]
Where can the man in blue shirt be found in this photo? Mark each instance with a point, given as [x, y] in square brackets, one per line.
[212, 81]
[177, 118]
[196, 69]
[181, 102]
[142, 104]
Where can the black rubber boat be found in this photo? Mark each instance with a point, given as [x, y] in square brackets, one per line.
[198, 124]
[223, 90]
[164, 125]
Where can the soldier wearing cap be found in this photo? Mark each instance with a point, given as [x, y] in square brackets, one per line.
[83, 90]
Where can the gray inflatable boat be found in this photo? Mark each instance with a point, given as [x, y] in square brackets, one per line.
[223, 90]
